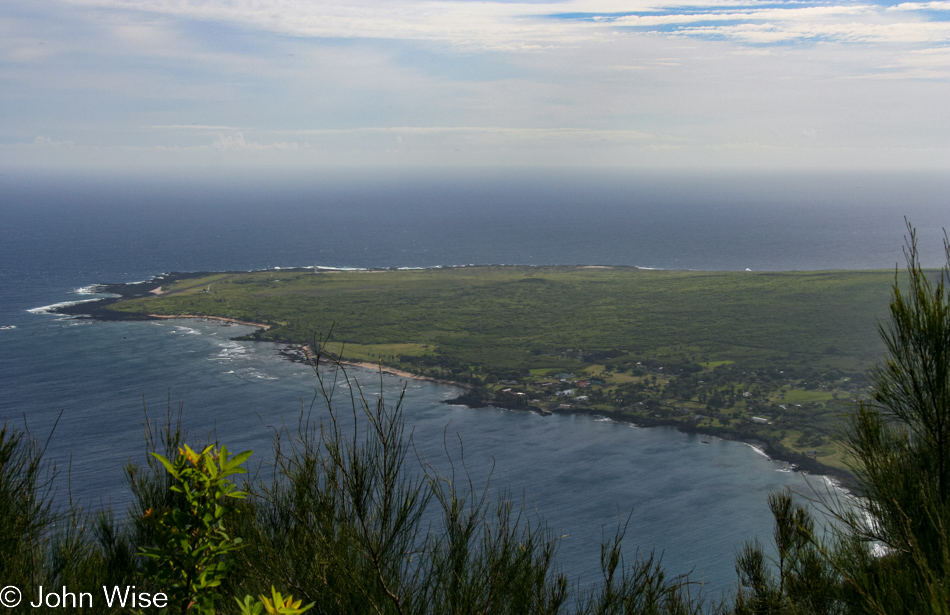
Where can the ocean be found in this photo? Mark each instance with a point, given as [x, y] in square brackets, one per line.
[694, 502]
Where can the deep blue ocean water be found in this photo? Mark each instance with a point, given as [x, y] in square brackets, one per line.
[695, 502]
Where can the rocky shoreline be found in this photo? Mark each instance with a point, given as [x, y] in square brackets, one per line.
[97, 309]
[799, 462]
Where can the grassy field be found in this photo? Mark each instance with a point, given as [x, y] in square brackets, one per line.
[668, 346]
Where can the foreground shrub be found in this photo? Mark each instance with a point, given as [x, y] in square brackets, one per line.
[189, 559]
[348, 522]
[351, 523]
[888, 551]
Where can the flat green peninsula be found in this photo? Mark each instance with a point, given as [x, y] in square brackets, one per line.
[768, 356]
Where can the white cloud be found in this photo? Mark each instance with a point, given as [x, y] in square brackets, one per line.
[534, 26]
[47, 142]
[627, 82]
[931, 64]
[237, 143]
[491, 133]
[921, 6]
[199, 127]
[772, 14]
[845, 32]
[509, 26]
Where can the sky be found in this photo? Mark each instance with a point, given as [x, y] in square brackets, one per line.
[306, 84]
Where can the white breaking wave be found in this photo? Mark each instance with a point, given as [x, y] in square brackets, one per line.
[758, 450]
[49, 309]
[98, 289]
[323, 268]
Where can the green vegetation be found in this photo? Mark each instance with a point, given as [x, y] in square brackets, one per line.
[707, 351]
[346, 523]
[888, 552]
[191, 542]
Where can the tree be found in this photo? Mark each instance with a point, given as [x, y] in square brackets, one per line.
[191, 541]
[900, 440]
[889, 550]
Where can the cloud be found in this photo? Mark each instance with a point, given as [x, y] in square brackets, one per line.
[237, 143]
[201, 127]
[479, 82]
[533, 26]
[930, 64]
[921, 6]
[519, 133]
[47, 142]
[497, 25]
[844, 23]
[848, 32]
[770, 14]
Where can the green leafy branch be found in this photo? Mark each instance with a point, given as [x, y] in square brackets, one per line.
[191, 540]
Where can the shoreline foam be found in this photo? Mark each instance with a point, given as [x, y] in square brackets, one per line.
[829, 473]
[233, 321]
[51, 308]
[763, 448]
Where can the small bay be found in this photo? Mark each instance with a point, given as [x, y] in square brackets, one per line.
[694, 502]
[584, 475]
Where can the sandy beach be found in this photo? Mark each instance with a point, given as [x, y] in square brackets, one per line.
[221, 318]
[308, 351]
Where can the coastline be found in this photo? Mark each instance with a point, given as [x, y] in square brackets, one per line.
[233, 321]
[96, 309]
[842, 478]
[805, 464]
[308, 354]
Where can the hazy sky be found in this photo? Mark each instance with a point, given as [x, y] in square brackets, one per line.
[642, 83]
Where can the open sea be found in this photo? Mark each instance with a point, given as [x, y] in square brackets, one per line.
[696, 503]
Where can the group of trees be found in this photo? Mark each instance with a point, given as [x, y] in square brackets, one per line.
[887, 551]
[348, 525]
[444, 366]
